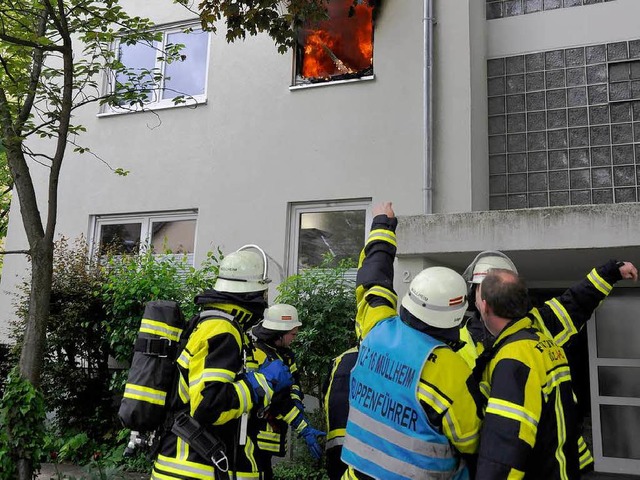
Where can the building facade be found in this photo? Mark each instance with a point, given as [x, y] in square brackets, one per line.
[510, 125]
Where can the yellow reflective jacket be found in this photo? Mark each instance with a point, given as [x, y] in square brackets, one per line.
[530, 429]
[212, 388]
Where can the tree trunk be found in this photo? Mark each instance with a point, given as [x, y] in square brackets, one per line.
[32, 355]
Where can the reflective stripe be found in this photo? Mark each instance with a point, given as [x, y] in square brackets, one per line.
[159, 328]
[273, 436]
[382, 235]
[145, 394]
[243, 396]
[293, 413]
[337, 432]
[197, 470]
[184, 359]
[599, 282]
[384, 293]
[183, 390]
[437, 308]
[454, 433]
[436, 450]
[560, 375]
[539, 324]
[433, 398]
[565, 319]
[268, 393]
[181, 449]
[244, 475]
[502, 408]
[562, 437]
[391, 464]
[485, 388]
[211, 374]
[334, 442]
[249, 448]
[268, 447]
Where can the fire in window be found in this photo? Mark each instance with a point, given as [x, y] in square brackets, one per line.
[340, 47]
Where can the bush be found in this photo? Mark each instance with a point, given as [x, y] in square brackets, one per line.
[21, 413]
[96, 307]
[326, 303]
[6, 362]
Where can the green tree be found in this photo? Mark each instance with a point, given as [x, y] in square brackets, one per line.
[326, 302]
[279, 19]
[51, 58]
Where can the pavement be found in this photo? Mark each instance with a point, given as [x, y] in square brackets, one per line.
[68, 472]
[65, 471]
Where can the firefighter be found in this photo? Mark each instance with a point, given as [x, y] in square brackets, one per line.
[411, 413]
[560, 318]
[335, 393]
[214, 385]
[271, 341]
[529, 428]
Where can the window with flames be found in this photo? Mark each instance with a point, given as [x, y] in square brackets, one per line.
[340, 47]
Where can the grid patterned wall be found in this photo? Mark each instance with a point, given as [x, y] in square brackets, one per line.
[511, 8]
[564, 127]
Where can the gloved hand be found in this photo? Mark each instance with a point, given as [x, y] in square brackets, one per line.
[299, 404]
[274, 376]
[310, 436]
[277, 374]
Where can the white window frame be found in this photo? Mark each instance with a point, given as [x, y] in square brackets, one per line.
[160, 103]
[296, 209]
[146, 220]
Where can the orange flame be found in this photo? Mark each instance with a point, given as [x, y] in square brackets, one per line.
[349, 39]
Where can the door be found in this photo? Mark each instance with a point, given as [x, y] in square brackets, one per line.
[614, 368]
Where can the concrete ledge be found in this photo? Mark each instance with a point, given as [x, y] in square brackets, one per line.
[588, 226]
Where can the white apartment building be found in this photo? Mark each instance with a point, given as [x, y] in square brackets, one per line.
[491, 124]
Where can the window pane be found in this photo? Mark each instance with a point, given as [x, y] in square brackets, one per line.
[120, 238]
[340, 233]
[173, 237]
[138, 58]
[187, 77]
[619, 381]
[620, 424]
[617, 329]
[341, 46]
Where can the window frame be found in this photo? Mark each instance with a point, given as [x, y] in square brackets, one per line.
[160, 103]
[295, 211]
[297, 82]
[146, 220]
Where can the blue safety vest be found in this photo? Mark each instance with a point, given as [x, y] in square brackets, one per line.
[388, 433]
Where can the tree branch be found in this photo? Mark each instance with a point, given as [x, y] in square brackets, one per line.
[13, 252]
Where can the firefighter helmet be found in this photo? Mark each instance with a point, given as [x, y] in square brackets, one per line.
[281, 317]
[242, 271]
[438, 297]
[484, 262]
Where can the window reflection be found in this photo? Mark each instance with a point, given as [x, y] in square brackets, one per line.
[620, 426]
[173, 237]
[339, 233]
[120, 238]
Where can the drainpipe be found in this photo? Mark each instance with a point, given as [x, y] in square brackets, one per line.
[427, 116]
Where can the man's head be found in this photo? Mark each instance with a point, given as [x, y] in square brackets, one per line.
[501, 297]
[243, 271]
[437, 296]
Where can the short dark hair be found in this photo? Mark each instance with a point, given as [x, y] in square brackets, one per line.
[505, 293]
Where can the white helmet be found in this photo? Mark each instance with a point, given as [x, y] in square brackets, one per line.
[484, 262]
[281, 317]
[243, 271]
[438, 297]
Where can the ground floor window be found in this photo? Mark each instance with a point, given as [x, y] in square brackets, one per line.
[338, 228]
[165, 233]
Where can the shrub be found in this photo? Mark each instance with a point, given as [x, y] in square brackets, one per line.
[326, 303]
